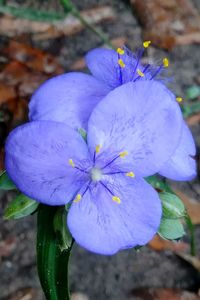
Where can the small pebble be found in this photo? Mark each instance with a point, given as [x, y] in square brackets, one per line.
[79, 296]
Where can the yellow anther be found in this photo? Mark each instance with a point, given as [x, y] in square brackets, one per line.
[130, 174]
[179, 99]
[165, 62]
[120, 51]
[78, 198]
[146, 44]
[140, 73]
[121, 63]
[71, 163]
[123, 154]
[98, 148]
[116, 199]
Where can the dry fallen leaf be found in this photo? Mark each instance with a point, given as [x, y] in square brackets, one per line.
[79, 64]
[192, 206]
[192, 260]
[33, 58]
[159, 244]
[13, 27]
[165, 24]
[193, 120]
[14, 73]
[24, 294]
[24, 70]
[7, 246]
[163, 294]
[6, 93]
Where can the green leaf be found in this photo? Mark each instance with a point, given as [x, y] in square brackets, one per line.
[20, 207]
[67, 5]
[61, 230]
[173, 207]
[171, 229]
[6, 183]
[31, 14]
[193, 92]
[190, 109]
[52, 263]
[158, 183]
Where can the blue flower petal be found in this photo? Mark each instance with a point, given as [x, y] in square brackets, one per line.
[103, 226]
[67, 98]
[182, 165]
[37, 160]
[141, 118]
[103, 64]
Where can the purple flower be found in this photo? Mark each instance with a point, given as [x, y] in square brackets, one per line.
[112, 207]
[70, 98]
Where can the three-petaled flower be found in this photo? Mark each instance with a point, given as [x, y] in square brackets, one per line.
[131, 134]
[70, 98]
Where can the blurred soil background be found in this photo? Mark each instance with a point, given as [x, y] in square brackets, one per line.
[32, 51]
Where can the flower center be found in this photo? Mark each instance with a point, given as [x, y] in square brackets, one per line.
[96, 174]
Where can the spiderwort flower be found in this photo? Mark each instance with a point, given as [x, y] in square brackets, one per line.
[71, 97]
[115, 68]
[113, 207]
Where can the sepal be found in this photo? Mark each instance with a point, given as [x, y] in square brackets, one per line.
[158, 184]
[173, 212]
[171, 229]
[172, 206]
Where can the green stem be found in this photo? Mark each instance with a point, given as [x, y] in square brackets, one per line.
[191, 229]
[68, 6]
[52, 262]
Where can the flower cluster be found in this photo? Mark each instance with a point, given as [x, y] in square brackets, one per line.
[134, 129]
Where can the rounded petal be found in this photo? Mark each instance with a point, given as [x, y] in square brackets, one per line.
[37, 160]
[104, 226]
[141, 118]
[68, 98]
[182, 165]
[103, 65]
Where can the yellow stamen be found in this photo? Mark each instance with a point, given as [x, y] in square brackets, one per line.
[140, 73]
[146, 44]
[116, 199]
[120, 51]
[130, 174]
[165, 62]
[98, 148]
[123, 154]
[71, 163]
[121, 63]
[78, 198]
[179, 99]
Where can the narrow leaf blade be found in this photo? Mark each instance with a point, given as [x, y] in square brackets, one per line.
[6, 183]
[20, 207]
